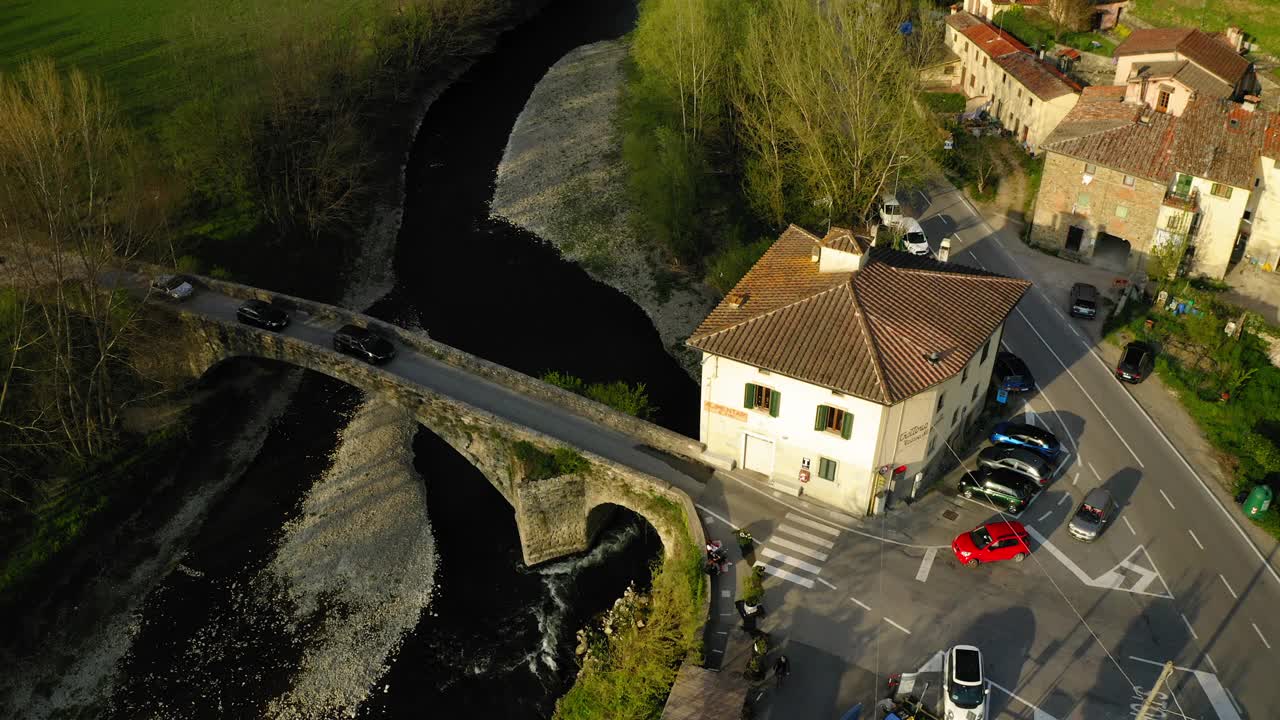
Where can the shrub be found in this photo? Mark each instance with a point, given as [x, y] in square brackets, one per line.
[727, 267]
[537, 464]
[753, 586]
[630, 399]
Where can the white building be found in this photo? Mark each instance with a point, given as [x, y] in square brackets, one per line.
[836, 369]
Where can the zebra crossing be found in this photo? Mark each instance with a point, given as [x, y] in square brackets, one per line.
[797, 550]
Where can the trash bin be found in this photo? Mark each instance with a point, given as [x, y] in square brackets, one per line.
[1258, 501]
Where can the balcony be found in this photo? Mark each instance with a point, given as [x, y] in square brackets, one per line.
[1188, 200]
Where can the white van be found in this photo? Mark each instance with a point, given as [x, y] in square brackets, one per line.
[890, 210]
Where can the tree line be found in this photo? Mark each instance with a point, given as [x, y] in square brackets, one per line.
[745, 116]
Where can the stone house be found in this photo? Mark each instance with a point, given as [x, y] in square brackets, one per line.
[1106, 13]
[1028, 96]
[1167, 67]
[837, 369]
[1121, 178]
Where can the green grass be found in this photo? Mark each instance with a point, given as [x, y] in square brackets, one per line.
[943, 102]
[1260, 19]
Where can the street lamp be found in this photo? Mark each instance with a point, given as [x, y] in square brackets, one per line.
[896, 169]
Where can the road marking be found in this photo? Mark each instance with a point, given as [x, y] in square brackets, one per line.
[1094, 470]
[788, 560]
[813, 524]
[710, 512]
[797, 547]
[824, 582]
[1046, 514]
[1222, 704]
[1113, 578]
[807, 536]
[717, 652]
[722, 632]
[1211, 663]
[1232, 698]
[1224, 582]
[1166, 499]
[860, 604]
[1129, 525]
[1193, 537]
[1036, 713]
[1260, 635]
[1071, 375]
[923, 573]
[1190, 629]
[784, 575]
[897, 626]
[1063, 499]
[1075, 478]
[1074, 330]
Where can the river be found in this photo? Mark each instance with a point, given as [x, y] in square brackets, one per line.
[496, 640]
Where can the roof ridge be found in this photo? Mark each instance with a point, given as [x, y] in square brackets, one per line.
[986, 274]
[872, 348]
[1050, 145]
[761, 316]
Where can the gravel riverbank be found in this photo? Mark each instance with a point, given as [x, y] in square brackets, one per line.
[562, 177]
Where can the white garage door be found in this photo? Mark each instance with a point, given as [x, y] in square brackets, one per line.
[757, 455]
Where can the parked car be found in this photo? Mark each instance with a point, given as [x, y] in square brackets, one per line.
[263, 314]
[913, 238]
[1012, 374]
[1084, 301]
[1136, 362]
[1004, 488]
[1028, 436]
[992, 542]
[964, 682]
[174, 287]
[890, 210]
[1024, 461]
[363, 343]
[1094, 514]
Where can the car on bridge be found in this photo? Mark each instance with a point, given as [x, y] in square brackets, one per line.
[363, 343]
[992, 542]
[174, 287]
[1021, 460]
[1028, 436]
[1012, 374]
[1004, 488]
[263, 314]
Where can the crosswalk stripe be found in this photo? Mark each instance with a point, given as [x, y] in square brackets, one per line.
[797, 547]
[806, 536]
[783, 574]
[794, 562]
[793, 517]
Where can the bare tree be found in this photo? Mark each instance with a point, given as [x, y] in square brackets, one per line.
[756, 100]
[685, 44]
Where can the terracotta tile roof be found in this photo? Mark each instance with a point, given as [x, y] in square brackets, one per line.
[864, 333]
[1204, 50]
[1042, 79]
[844, 240]
[1213, 139]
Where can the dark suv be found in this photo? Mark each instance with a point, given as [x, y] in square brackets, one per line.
[260, 313]
[363, 343]
[1084, 301]
[1137, 362]
[1004, 488]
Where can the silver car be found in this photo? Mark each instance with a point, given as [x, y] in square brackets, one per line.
[1094, 514]
[174, 287]
[1018, 459]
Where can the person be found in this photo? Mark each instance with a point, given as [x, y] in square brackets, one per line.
[712, 567]
[715, 551]
[781, 668]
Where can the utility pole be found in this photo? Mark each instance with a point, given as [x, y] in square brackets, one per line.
[1155, 689]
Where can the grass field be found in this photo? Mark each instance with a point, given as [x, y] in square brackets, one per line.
[1259, 18]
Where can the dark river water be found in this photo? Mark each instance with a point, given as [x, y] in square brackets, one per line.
[497, 639]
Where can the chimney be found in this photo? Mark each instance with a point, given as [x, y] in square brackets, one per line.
[736, 299]
[1234, 37]
[1250, 103]
[955, 8]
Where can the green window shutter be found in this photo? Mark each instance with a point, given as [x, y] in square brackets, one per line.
[820, 422]
[749, 401]
[774, 402]
[846, 427]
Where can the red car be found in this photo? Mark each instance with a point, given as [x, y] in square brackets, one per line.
[992, 542]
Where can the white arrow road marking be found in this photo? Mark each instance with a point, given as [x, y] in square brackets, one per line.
[933, 664]
[1036, 713]
[1113, 578]
[1213, 690]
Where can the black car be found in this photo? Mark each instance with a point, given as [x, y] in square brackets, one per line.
[363, 343]
[1004, 488]
[260, 313]
[1084, 301]
[1136, 363]
[1024, 461]
[1012, 374]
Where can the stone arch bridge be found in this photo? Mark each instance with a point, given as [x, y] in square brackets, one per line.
[488, 413]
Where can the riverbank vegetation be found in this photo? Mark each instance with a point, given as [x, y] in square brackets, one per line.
[621, 396]
[738, 119]
[628, 669]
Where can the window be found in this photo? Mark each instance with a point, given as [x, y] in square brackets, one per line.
[1162, 101]
[1257, 182]
[759, 397]
[964, 376]
[1248, 215]
[942, 400]
[1090, 169]
[970, 81]
[1183, 185]
[985, 349]
[1004, 78]
[1122, 211]
[833, 420]
[984, 62]
[1082, 200]
[973, 395]
[949, 70]
[1030, 102]
[1129, 180]
[827, 469]
[955, 417]
[1220, 190]
[1019, 92]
